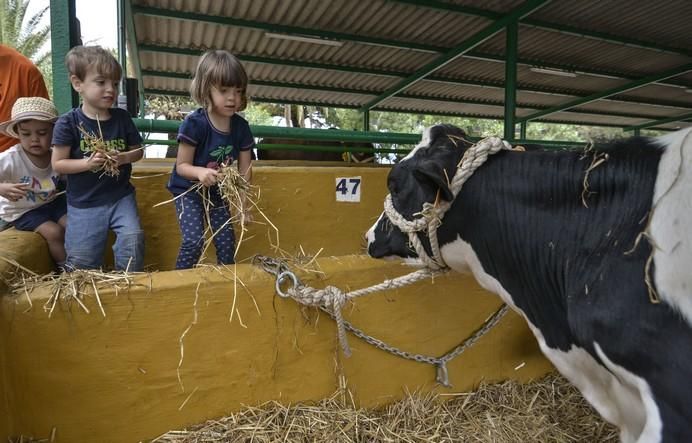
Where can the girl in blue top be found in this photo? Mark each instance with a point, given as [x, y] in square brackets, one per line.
[209, 136]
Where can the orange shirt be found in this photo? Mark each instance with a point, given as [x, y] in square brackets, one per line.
[19, 77]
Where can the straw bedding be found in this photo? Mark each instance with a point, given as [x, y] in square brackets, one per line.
[547, 410]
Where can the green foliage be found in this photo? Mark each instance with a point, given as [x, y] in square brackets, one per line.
[352, 120]
[257, 114]
[171, 107]
[27, 38]
[552, 131]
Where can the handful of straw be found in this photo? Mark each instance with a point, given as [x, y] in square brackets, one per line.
[95, 144]
[238, 195]
[234, 190]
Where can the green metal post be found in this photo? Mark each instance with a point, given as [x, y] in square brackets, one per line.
[522, 130]
[366, 120]
[64, 35]
[512, 32]
[134, 55]
[122, 53]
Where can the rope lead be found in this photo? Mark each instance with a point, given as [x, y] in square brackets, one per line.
[332, 299]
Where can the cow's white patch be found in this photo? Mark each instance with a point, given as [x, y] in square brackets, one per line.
[652, 425]
[671, 224]
[622, 401]
[424, 142]
[370, 235]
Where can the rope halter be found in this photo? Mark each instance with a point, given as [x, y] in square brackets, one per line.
[431, 214]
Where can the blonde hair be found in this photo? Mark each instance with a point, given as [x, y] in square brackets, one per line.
[218, 68]
[81, 58]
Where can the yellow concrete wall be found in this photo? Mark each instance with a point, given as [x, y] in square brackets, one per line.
[299, 200]
[29, 250]
[114, 379]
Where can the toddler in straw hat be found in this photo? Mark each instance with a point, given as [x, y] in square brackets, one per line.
[29, 193]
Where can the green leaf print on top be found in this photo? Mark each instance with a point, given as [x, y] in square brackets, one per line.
[222, 153]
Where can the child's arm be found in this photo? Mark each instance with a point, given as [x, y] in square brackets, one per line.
[245, 165]
[63, 164]
[13, 191]
[245, 169]
[134, 154]
[185, 168]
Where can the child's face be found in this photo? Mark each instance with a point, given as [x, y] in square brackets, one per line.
[225, 100]
[98, 91]
[35, 137]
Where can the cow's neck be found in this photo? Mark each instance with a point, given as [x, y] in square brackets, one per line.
[524, 218]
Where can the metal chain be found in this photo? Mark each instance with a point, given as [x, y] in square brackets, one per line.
[439, 362]
[269, 264]
[280, 270]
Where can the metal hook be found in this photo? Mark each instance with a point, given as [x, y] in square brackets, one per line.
[281, 278]
[442, 374]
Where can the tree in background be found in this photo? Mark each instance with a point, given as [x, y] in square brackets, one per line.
[27, 36]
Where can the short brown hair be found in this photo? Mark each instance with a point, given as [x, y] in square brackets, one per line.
[81, 58]
[218, 68]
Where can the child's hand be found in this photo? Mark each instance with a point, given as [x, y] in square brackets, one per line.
[13, 191]
[96, 161]
[121, 158]
[207, 176]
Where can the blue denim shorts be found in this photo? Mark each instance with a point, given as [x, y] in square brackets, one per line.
[86, 235]
[51, 211]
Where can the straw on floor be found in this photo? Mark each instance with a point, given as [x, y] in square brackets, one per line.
[547, 410]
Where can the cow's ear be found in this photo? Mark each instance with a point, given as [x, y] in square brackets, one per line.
[435, 175]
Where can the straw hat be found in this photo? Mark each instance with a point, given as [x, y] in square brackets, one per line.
[29, 108]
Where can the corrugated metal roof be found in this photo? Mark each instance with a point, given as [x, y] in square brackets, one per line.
[599, 46]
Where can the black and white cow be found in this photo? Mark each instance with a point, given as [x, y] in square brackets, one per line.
[569, 262]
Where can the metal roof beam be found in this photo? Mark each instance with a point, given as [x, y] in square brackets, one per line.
[310, 87]
[329, 35]
[294, 30]
[526, 8]
[282, 29]
[548, 26]
[341, 68]
[620, 89]
[477, 55]
[677, 118]
[274, 61]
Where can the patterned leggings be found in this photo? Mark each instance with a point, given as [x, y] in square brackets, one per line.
[192, 221]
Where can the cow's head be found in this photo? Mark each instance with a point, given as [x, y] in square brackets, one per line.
[422, 176]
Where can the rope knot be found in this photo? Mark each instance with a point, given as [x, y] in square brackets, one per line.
[334, 297]
[432, 215]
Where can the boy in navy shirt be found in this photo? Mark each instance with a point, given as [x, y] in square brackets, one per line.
[96, 201]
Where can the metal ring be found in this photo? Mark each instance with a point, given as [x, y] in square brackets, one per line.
[281, 278]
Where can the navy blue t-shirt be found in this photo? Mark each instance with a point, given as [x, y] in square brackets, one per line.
[212, 147]
[89, 189]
